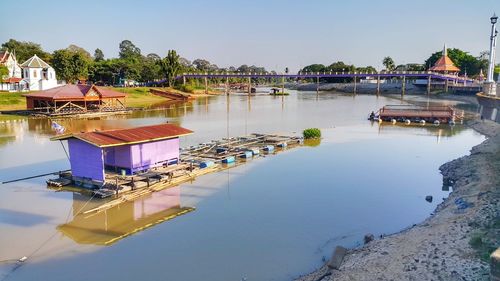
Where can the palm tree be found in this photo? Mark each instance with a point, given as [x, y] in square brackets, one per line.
[388, 63]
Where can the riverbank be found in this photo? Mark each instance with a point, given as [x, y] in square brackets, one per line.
[454, 242]
[136, 97]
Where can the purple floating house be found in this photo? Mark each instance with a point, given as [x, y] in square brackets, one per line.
[124, 151]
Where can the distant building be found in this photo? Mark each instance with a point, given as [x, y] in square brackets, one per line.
[444, 64]
[10, 82]
[38, 75]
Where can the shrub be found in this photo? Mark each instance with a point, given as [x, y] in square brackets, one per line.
[312, 133]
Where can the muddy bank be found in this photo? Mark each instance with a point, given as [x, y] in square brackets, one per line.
[454, 242]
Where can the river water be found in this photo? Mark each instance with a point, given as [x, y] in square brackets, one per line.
[272, 218]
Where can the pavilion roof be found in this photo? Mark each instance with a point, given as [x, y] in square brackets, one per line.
[444, 63]
[75, 92]
[129, 136]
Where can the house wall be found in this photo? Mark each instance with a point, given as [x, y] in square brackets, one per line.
[153, 154]
[86, 160]
[118, 156]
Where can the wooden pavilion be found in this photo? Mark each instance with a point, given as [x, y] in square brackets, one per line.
[72, 99]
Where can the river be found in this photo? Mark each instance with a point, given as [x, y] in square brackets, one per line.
[273, 218]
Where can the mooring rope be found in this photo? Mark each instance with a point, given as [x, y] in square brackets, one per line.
[64, 148]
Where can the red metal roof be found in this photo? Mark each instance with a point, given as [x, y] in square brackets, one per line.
[75, 92]
[12, 80]
[130, 136]
[443, 64]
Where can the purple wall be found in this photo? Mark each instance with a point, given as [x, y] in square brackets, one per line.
[143, 156]
[86, 160]
[152, 154]
[118, 156]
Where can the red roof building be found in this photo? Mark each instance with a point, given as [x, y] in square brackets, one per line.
[444, 64]
[70, 99]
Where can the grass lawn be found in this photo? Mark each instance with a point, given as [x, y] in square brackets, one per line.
[139, 96]
[12, 101]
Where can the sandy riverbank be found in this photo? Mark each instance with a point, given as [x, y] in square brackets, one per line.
[450, 243]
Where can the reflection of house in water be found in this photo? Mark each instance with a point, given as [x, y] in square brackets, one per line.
[107, 227]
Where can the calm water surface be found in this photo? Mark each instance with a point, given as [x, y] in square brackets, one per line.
[273, 218]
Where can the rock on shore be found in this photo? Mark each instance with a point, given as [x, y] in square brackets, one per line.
[439, 248]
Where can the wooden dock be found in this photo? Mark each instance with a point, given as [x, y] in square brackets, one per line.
[194, 161]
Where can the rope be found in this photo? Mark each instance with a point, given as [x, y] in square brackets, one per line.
[64, 148]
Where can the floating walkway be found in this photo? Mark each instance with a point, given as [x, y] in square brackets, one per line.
[414, 113]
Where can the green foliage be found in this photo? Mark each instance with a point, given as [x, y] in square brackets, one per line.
[4, 72]
[462, 60]
[128, 50]
[366, 69]
[388, 62]
[70, 65]
[25, 50]
[170, 66]
[312, 133]
[98, 55]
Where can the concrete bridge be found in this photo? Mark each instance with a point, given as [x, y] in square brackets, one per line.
[403, 75]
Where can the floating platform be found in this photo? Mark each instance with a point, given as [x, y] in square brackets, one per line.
[414, 113]
[194, 161]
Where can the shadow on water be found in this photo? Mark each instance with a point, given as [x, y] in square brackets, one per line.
[22, 219]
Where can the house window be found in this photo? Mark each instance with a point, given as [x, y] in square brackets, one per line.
[34, 73]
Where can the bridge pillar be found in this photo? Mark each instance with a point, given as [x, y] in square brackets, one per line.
[446, 85]
[378, 85]
[283, 85]
[227, 85]
[206, 85]
[249, 85]
[183, 80]
[429, 85]
[317, 84]
[403, 89]
[355, 85]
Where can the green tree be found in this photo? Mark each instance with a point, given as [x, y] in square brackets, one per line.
[463, 60]
[389, 64]
[98, 55]
[25, 50]
[340, 66]
[70, 65]
[170, 66]
[128, 50]
[366, 69]
[314, 68]
[4, 72]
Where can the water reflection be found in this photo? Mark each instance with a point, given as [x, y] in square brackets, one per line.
[109, 226]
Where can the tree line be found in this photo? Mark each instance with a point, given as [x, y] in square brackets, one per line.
[75, 63]
[463, 60]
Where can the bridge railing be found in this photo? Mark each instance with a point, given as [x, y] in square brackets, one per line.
[435, 75]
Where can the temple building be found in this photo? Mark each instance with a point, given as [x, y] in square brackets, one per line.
[444, 64]
[38, 75]
[11, 81]
[71, 99]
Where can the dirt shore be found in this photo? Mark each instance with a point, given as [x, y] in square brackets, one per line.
[454, 242]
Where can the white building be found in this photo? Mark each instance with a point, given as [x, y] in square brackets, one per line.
[38, 75]
[11, 81]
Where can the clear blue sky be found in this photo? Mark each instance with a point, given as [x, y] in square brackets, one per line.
[272, 33]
